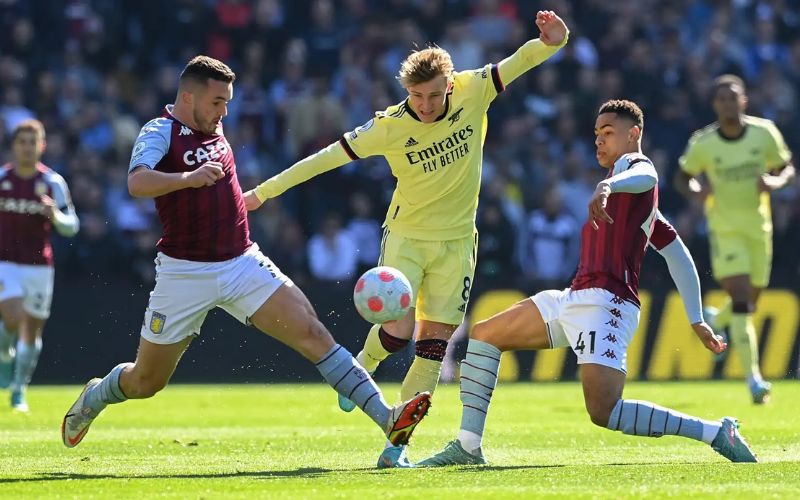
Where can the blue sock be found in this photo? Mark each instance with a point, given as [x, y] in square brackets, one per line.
[107, 391]
[643, 418]
[478, 380]
[348, 378]
[25, 364]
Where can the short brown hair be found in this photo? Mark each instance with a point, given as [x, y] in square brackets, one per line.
[425, 65]
[29, 125]
[201, 68]
[625, 108]
[727, 80]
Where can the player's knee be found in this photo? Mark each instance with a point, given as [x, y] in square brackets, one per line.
[599, 412]
[314, 340]
[481, 331]
[11, 321]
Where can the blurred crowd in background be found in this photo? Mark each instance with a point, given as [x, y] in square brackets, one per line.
[94, 71]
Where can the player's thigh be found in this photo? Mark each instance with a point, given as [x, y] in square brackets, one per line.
[599, 326]
[289, 317]
[248, 282]
[406, 255]
[521, 326]
[730, 255]
[11, 295]
[760, 250]
[449, 270]
[37, 281]
[181, 298]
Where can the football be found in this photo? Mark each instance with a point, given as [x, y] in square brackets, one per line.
[382, 294]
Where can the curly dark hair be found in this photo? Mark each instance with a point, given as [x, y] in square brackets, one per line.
[201, 68]
[625, 108]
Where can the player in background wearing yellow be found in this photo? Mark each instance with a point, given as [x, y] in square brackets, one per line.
[732, 165]
[433, 142]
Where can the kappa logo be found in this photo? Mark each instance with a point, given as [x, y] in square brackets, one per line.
[411, 142]
[455, 116]
[614, 323]
[611, 338]
[616, 313]
[610, 354]
[157, 321]
[617, 300]
[185, 130]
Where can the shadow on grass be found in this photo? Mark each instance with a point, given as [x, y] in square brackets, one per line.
[305, 472]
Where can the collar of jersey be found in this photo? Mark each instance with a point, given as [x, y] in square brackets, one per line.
[168, 113]
[731, 139]
[439, 118]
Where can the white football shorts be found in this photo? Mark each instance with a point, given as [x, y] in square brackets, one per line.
[185, 291]
[596, 324]
[34, 283]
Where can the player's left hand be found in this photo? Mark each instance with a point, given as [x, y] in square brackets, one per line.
[711, 340]
[597, 205]
[49, 205]
[553, 29]
[251, 201]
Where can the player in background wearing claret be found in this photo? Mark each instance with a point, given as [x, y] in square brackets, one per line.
[433, 142]
[598, 315]
[206, 260]
[732, 165]
[33, 199]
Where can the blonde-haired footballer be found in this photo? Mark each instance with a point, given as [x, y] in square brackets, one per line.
[732, 165]
[433, 142]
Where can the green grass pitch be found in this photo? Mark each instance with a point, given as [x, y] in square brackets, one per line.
[291, 441]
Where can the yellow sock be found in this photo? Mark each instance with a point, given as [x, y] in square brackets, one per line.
[745, 343]
[422, 376]
[373, 352]
[724, 314]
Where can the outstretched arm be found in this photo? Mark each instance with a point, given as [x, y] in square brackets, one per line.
[324, 160]
[553, 35]
[684, 274]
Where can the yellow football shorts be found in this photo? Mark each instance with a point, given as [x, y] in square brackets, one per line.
[735, 253]
[440, 273]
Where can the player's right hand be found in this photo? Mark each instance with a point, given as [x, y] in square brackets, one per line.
[205, 175]
[711, 340]
[251, 201]
[597, 205]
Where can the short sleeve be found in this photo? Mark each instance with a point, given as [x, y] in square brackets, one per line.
[152, 144]
[484, 82]
[366, 140]
[691, 161]
[663, 232]
[777, 153]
